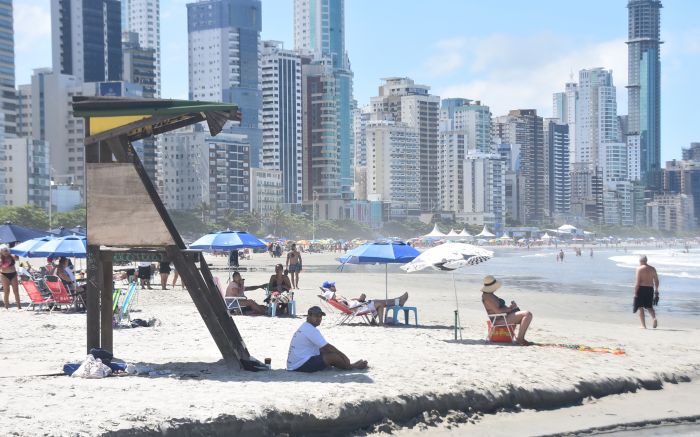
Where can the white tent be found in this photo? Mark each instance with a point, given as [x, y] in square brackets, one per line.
[452, 233]
[546, 236]
[485, 233]
[567, 228]
[464, 233]
[435, 233]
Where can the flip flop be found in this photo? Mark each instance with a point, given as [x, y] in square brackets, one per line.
[524, 343]
[655, 324]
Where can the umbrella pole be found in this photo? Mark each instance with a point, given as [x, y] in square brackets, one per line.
[458, 324]
[386, 281]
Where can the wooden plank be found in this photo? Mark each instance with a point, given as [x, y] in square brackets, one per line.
[106, 339]
[120, 210]
[92, 297]
[214, 315]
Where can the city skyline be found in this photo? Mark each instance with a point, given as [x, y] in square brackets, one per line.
[459, 53]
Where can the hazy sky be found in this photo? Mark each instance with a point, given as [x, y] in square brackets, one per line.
[509, 54]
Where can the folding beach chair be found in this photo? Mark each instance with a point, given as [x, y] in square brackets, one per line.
[35, 296]
[499, 330]
[59, 292]
[233, 304]
[347, 315]
[124, 310]
[118, 293]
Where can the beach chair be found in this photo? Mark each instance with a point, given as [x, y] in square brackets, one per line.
[499, 330]
[233, 304]
[59, 292]
[118, 293]
[347, 315]
[35, 296]
[124, 310]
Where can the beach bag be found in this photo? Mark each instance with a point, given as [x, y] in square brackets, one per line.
[92, 368]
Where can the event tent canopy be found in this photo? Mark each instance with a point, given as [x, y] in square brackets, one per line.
[485, 233]
[435, 233]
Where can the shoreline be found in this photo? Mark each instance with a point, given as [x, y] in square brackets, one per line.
[413, 370]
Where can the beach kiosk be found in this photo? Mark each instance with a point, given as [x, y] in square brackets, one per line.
[126, 219]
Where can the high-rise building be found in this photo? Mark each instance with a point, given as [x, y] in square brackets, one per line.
[8, 97]
[266, 191]
[596, 121]
[182, 171]
[556, 138]
[524, 128]
[27, 172]
[644, 84]
[139, 64]
[400, 99]
[484, 191]
[86, 39]
[392, 176]
[319, 31]
[465, 127]
[671, 212]
[360, 118]
[683, 177]
[142, 17]
[692, 153]
[224, 61]
[564, 110]
[281, 117]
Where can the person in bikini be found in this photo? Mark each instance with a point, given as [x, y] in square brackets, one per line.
[294, 265]
[496, 305]
[646, 291]
[8, 274]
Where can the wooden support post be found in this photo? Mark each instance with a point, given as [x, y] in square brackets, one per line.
[92, 297]
[213, 311]
[106, 302]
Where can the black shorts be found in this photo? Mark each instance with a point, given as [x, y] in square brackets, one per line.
[313, 364]
[164, 269]
[644, 298]
[145, 272]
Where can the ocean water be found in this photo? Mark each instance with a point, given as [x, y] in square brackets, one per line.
[610, 271]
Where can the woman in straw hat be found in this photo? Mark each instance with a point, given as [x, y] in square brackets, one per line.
[496, 305]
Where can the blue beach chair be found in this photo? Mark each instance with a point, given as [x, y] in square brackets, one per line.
[123, 311]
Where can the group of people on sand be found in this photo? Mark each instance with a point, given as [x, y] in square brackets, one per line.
[279, 289]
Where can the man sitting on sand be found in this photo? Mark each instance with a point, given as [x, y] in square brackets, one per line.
[496, 305]
[376, 306]
[237, 288]
[310, 352]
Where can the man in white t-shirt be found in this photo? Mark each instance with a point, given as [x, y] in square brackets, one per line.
[310, 352]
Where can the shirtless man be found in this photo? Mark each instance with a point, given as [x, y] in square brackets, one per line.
[294, 265]
[646, 290]
[236, 288]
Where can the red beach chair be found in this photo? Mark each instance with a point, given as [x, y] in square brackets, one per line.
[500, 331]
[35, 296]
[347, 315]
[60, 293]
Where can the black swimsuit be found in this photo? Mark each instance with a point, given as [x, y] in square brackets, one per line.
[10, 275]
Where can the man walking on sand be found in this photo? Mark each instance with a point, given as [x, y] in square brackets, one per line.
[294, 265]
[646, 290]
[310, 352]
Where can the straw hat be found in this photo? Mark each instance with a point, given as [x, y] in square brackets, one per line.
[491, 284]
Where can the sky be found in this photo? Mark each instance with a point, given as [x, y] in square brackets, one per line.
[510, 54]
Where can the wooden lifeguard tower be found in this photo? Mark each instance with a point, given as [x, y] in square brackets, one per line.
[126, 219]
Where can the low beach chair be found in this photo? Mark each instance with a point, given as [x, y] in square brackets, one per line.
[59, 292]
[125, 309]
[35, 296]
[233, 304]
[499, 330]
[347, 315]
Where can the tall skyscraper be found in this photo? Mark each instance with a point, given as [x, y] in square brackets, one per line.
[319, 31]
[400, 99]
[281, 119]
[644, 85]
[596, 120]
[524, 128]
[143, 18]
[564, 110]
[224, 61]
[556, 138]
[139, 64]
[86, 39]
[8, 96]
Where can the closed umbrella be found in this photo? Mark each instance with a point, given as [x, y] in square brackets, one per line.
[73, 246]
[382, 252]
[449, 257]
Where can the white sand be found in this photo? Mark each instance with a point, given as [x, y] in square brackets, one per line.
[412, 369]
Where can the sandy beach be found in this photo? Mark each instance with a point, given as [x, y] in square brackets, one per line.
[413, 370]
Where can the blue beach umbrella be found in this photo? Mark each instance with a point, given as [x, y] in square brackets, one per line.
[25, 248]
[227, 241]
[74, 246]
[381, 252]
[12, 233]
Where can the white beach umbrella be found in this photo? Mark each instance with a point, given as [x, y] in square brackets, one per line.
[449, 257]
